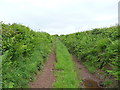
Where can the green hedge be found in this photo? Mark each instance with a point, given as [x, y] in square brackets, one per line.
[23, 53]
[96, 48]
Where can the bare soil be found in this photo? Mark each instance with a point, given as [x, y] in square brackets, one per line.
[88, 80]
[46, 77]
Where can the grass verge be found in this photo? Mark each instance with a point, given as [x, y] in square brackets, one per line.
[66, 76]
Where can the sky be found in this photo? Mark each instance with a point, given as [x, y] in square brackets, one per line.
[60, 16]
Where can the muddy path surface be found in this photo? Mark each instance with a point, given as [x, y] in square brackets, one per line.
[88, 80]
[46, 77]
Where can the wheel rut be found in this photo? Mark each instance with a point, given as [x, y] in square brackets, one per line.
[88, 80]
[46, 76]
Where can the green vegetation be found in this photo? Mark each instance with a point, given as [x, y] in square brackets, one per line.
[107, 82]
[65, 73]
[23, 53]
[97, 49]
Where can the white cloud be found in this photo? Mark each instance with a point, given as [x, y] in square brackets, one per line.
[65, 30]
[60, 16]
[105, 18]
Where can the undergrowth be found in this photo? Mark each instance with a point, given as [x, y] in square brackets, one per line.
[97, 49]
[23, 53]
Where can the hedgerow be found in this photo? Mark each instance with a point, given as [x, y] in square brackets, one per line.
[23, 53]
[97, 49]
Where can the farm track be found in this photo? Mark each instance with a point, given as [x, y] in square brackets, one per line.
[46, 76]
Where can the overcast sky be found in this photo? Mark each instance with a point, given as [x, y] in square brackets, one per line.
[60, 16]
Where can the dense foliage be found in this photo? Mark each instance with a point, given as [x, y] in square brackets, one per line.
[23, 53]
[97, 49]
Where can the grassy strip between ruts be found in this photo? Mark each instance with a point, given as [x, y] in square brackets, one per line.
[66, 76]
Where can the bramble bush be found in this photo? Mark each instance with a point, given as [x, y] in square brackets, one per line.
[96, 49]
[23, 53]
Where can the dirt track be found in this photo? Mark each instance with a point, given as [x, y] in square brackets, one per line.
[89, 80]
[46, 78]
